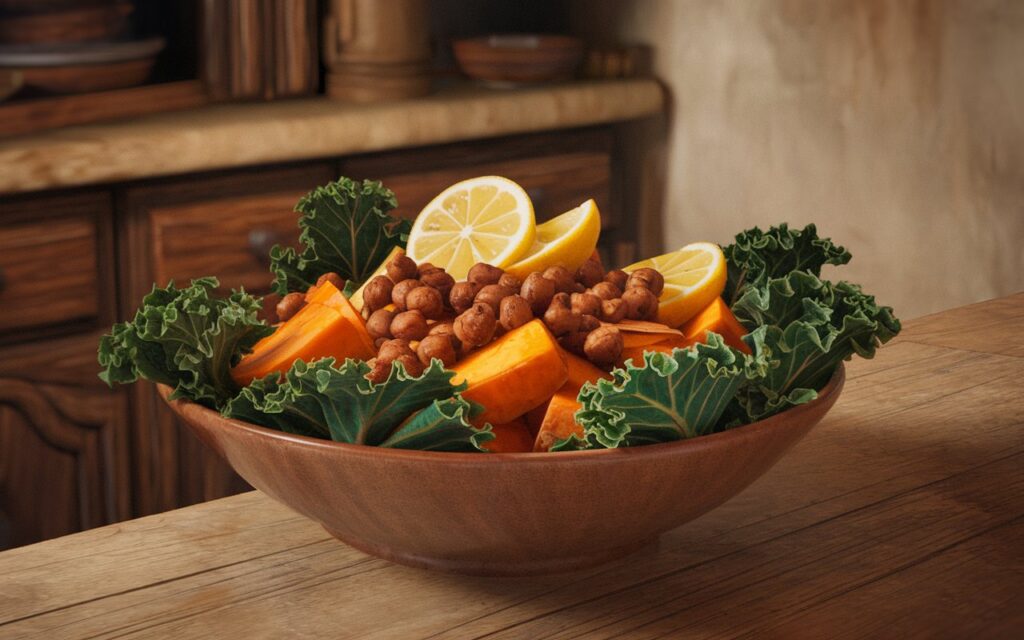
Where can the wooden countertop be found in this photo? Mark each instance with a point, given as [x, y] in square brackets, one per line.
[235, 135]
[901, 515]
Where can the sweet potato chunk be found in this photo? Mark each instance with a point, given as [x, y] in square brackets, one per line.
[718, 318]
[326, 326]
[510, 437]
[513, 374]
[559, 419]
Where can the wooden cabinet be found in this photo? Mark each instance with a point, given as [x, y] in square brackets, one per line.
[74, 454]
[64, 462]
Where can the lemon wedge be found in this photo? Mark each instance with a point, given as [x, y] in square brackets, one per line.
[485, 219]
[694, 277]
[567, 240]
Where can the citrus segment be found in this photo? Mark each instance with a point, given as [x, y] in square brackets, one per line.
[567, 240]
[694, 277]
[485, 219]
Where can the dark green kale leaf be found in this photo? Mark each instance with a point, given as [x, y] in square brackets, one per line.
[323, 400]
[757, 256]
[346, 229]
[666, 398]
[186, 339]
[838, 321]
[444, 425]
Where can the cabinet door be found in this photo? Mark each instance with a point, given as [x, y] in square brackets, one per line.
[64, 462]
[182, 229]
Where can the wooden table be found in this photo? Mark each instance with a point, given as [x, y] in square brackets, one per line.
[901, 515]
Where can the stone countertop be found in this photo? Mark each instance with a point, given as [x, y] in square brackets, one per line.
[236, 135]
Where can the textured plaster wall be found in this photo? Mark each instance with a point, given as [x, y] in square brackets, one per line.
[896, 126]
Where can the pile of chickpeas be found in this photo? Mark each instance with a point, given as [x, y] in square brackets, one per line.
[436, 317]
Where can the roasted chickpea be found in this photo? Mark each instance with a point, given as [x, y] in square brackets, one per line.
[647, 278]
[562, 277]
[586, 304]
[379, 371]
[613, 310]
[401, 290]
[401, 267]
[603, 346]
[590, 273]
[394, 348]
[492, 295]
[437, 346]
[641, 303]
[559, 317]
[333, 278]
[483, 274]
[377, 293]
[426, 268]
[461, 296]
[509, 281]
[410, 325]
[475, 327]
[440, 280]
[446, 328]
[538, 291]
[514, 312]
[412, 364]
[426, 300]
[618, 277]
[588, 323]
[289, 305]
[606, 290]
[573, 342]
[378, 325]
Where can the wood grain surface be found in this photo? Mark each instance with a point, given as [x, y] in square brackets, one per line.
[900, 515]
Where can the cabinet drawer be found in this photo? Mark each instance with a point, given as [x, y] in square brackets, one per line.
[48, 272]
[556, 183]
[229, 238]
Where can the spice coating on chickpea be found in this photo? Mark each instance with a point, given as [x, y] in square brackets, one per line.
[378, 325]
[559, 317]
[492, 295]
[377, 293]
[603, 346]
[562, 277]
[401, 290]
[590, 273]
[333, 278]
[438, 346]
[289, 305]
[538, 291]
[401, 267]
[510, 281]
[426, 300]
[641, 303]
[475, 327]
[482, 274]
[613, 310]
[514, 312]
[586, 304]
[618, 277]
[440, 280]
[606, 290]
[409, 325]
[648, 278]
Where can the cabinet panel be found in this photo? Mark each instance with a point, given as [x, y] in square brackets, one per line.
[56, 263]
[182, 229]
[63, 460]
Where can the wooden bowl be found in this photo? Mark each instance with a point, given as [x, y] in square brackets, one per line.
[503, 514]
[82, 67]
[77, 24]
[518, 58]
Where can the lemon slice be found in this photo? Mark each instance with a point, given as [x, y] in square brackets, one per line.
[486, 219]
[694, 277]
[568, 240]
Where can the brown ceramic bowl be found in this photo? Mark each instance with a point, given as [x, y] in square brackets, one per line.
[503, 514]
[518, 59]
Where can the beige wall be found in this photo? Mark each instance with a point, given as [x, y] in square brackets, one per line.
[898, 127]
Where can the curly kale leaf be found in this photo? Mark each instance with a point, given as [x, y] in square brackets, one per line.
[338, 402]
[346, 229]
[186, 339]
[666, 398]
[444, 425]
[837, 321]
[757, 256]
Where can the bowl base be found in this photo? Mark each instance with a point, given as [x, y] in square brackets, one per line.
[496, 568]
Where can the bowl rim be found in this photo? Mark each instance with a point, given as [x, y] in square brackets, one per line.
[826, 394]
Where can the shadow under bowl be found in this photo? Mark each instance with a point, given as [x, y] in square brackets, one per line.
[511, 514]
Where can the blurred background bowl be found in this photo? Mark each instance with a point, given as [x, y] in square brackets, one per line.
[517, 59]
